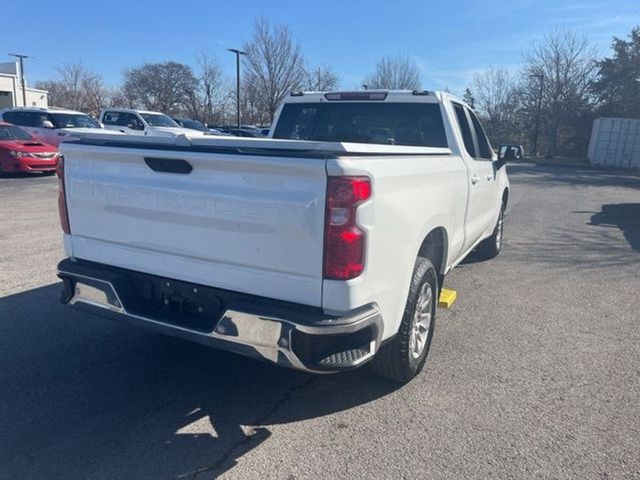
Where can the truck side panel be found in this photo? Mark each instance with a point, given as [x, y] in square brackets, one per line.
[411, 196]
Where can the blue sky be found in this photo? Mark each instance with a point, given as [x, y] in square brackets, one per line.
[450, 40]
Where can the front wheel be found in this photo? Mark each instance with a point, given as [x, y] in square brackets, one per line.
[403, 357]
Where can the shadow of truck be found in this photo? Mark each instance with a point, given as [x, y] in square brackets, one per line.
[84, 397]
[625, 216]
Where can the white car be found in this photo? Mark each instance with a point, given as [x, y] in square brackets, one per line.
[321, 248]
[142, 122]
[50, 125]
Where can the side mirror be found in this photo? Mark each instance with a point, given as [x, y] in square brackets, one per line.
[508, 153]
[135, 126]
[47, 124]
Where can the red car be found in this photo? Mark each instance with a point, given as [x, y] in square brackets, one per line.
[20, 152]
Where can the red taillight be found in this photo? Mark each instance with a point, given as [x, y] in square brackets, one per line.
[344, 243]
[62, 197]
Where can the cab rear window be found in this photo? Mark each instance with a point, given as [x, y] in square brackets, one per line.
[415, 124]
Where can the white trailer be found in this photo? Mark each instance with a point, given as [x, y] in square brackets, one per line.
[615, 142]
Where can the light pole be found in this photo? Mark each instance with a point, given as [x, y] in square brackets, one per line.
[21, 57]
[536, 131]
[238, 53]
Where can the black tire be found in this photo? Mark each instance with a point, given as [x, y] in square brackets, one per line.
[490, 247]
[397, 358]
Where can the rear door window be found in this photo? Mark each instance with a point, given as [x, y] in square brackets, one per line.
[131, 120]
[40, 117]
[483, 142]
[415, 124]
[23, 119]
[465, 129]
[10, 117]
[112, 118]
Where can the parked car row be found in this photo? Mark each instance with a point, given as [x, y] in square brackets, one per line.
[49, 125]
[30, 136]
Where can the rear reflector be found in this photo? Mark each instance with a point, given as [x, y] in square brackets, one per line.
[345, 241]
[356, 96]
[62, 197]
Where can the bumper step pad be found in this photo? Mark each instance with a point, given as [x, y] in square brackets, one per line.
[347, 357]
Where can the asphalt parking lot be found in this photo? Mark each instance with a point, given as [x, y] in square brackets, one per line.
[534, 373]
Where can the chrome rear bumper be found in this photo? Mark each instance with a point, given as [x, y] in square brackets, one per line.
[287, 334]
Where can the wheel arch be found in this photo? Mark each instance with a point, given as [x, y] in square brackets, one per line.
[435, 246]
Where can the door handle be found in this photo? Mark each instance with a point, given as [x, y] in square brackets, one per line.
[475, 179]
[488, 176]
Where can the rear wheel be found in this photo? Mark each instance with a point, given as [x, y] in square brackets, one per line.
[490, 247]
[403, 357]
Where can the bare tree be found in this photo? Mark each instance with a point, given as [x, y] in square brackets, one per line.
[321, 79]
[226, 110]
[400, 72]
[274, 63]
[566, 63]
[252, 103]
[116, 98]
[211, 94]
[77, 88]
[496, 100]
[168, 87]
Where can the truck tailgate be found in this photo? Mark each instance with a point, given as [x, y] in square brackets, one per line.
[240, 221]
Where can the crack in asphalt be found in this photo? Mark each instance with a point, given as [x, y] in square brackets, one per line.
[229, 453]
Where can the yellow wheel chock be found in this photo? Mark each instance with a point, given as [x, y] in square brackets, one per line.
[447, 297]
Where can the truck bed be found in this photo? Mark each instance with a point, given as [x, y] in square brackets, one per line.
[240, 214]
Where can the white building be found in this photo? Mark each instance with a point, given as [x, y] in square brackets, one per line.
[11, 89]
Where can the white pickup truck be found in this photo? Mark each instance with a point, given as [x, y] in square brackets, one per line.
[142, 122]
[320, 248]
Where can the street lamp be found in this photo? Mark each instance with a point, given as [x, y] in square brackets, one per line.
[238, 53]
[536, 132]
[21, 57]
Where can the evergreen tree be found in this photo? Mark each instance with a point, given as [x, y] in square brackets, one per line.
[617, 85]
[468, 98]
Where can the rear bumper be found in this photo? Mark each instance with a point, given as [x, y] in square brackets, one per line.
[283, 333]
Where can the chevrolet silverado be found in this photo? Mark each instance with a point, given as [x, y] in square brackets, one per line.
[320, 248]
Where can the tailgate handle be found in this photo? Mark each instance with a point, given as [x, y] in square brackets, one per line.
[168, 165]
